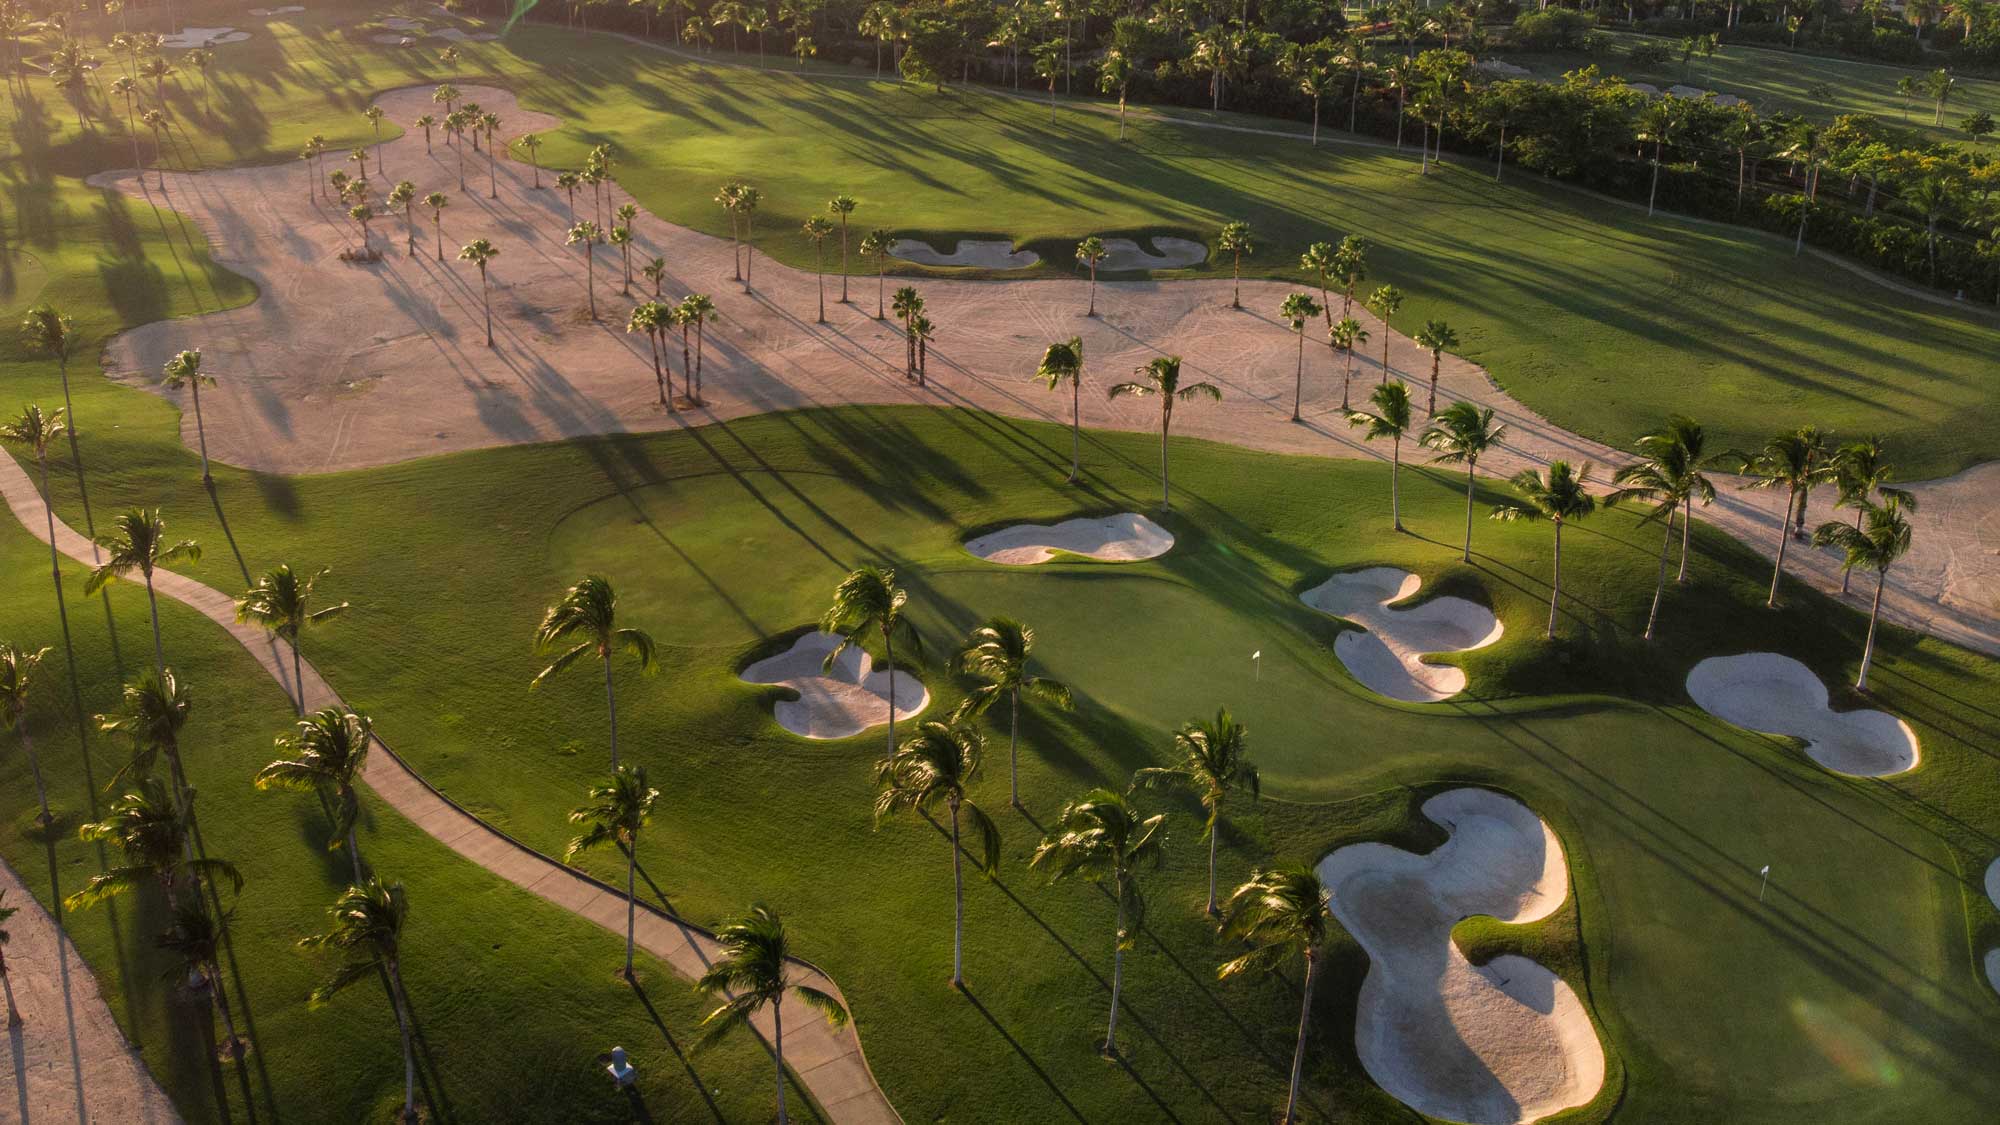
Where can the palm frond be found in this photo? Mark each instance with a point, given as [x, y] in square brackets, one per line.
[823, 1002]
[559, 664]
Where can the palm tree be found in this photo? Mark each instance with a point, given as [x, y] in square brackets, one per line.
[151, 831]
[1389, 419]
[1664, 479]
[1861, 471]
[1462, 435]
[1281, 912]
[139, 543]
[49, 332]
[151, 713]
[7, 982]
[1435, 337]
[1162, 378]
[479, 252]
[1298, 308]
[1559, 496]
[1090, 252]
[1235, 240]
[1350, 266]
[196, 937]
[875, 244]
[617, 808]
[1319, 260]
[490, 122]
[17, 669]
[568, 182]
[655, 271]
[696, 309]
[326, 753]
[1384, 303]
[931, 768]
[908, 303]
[1101, 836]
[437, 201]
[156, 120]
[868, 599]
[842, 205]
[729, 196]
[365, 928]
[747, 199]
[1212, 763]
[533, 143]
[1883, 539]
[651, 317]
[38, 431]
[404, 195]
[427, 122]
[585, 234]
[997, 652]
[750, 975]
[282, 603]
[1347, 335]
[621, 237]
[1114, 76]
[1062, 362]
[1789, 461]
[374, 114]
[589, 611]
[818, 229]
[1686, 436]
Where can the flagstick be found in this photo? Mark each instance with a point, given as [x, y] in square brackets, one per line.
[1257, 662]
[1763, 882]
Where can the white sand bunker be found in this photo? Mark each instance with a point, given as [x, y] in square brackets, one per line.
[1174, 253]
[286, 10]
[968, 252]
[839, 703]
[1497, 1044]
[1773, 694]
[188, 38]
[1388, 659]
[1125, 537]
[1993, 955]
[1993, 968]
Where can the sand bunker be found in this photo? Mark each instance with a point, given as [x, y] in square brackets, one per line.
[1773, 694]
[1125, 537]
[839, 703]
[1993, 968]
[1496, 1044]
[969, 252]
[1503, 69]
[287, 10]
[1174, 253]
[188, 38]
[1389, 658]
[1993, 883]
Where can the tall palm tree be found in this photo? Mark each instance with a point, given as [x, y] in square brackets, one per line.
[1212, 762]
[585, 234]
[1861, 471]
[38, 431]
[1435, 337]
[1664, 479]
[138, 542]
[46, 331]
[17, 671]
[588, 612]
[621, 237]
[1319, 260]
[196, 937]
[1298, 309]
[1090, 252]
[479, 252]
[151, 831]
[490, 123]
[404, 195]
[997, 652]
[932, 768]
[843, 205]
[1390, 419]
[747, 200]
[1384, 303]
[875, 244]
[152, 710]
[1235, 240]
[908, 303]
[365, 929]
[437, 201]
[1461, 436]
[817, 229]
[1883, 538]
[1689, 441]
[617, 809]
[533, 143]
[652, 317]
[1102, 837]
[1347, 335]
[1162, 378]
[1062, 362]
[751, 975]
[1350, 266]
[1559, 496]
[729, 196]
[282, 603]
[1281, 912]
[698, 311]
[868, 600]
[1789, 461]
[325, 754]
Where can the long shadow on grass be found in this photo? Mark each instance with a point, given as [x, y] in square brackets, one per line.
[674, 1045]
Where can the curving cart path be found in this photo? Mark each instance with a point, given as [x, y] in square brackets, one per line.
[827, 1061]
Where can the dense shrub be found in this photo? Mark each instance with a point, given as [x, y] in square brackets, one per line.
[1557, 29]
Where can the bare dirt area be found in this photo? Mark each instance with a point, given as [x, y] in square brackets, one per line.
[397, 367]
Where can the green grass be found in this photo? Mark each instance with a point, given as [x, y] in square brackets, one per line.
[1591, 315]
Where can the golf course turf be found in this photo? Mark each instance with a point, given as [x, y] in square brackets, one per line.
[1851, 992]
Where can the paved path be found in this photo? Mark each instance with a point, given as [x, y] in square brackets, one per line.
[827, 1061]
[67, 1022]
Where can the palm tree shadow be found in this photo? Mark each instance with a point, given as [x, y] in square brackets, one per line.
[673, 1045]
[430, 1080]
[215, 500]
[973, 999]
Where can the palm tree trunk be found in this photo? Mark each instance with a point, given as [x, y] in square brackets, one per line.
[1471, 482]
[843, 258]
[889, 662]
[958, 917]
[1299, 1052]
[1076, 426]
[631, 902]
[611, 705]
[1166, 489]
[1299, 375]
[486, 301]
[1236, 281]
[778, 1053]
[298, 682]
[1396, 483]
[1660, 583]
[1093, 290]
[1555, 583]
[200, 430]
[1847, 572]
[1874, 615]
[354, 853]
[437, 225]
[159, 652]
[1014, 748]
[1687, 528]
[1210, 908]
[397, 1000]
[1777, 572]
[234, 1043]
[881, 285]
[1117, 970]
[819, 275]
